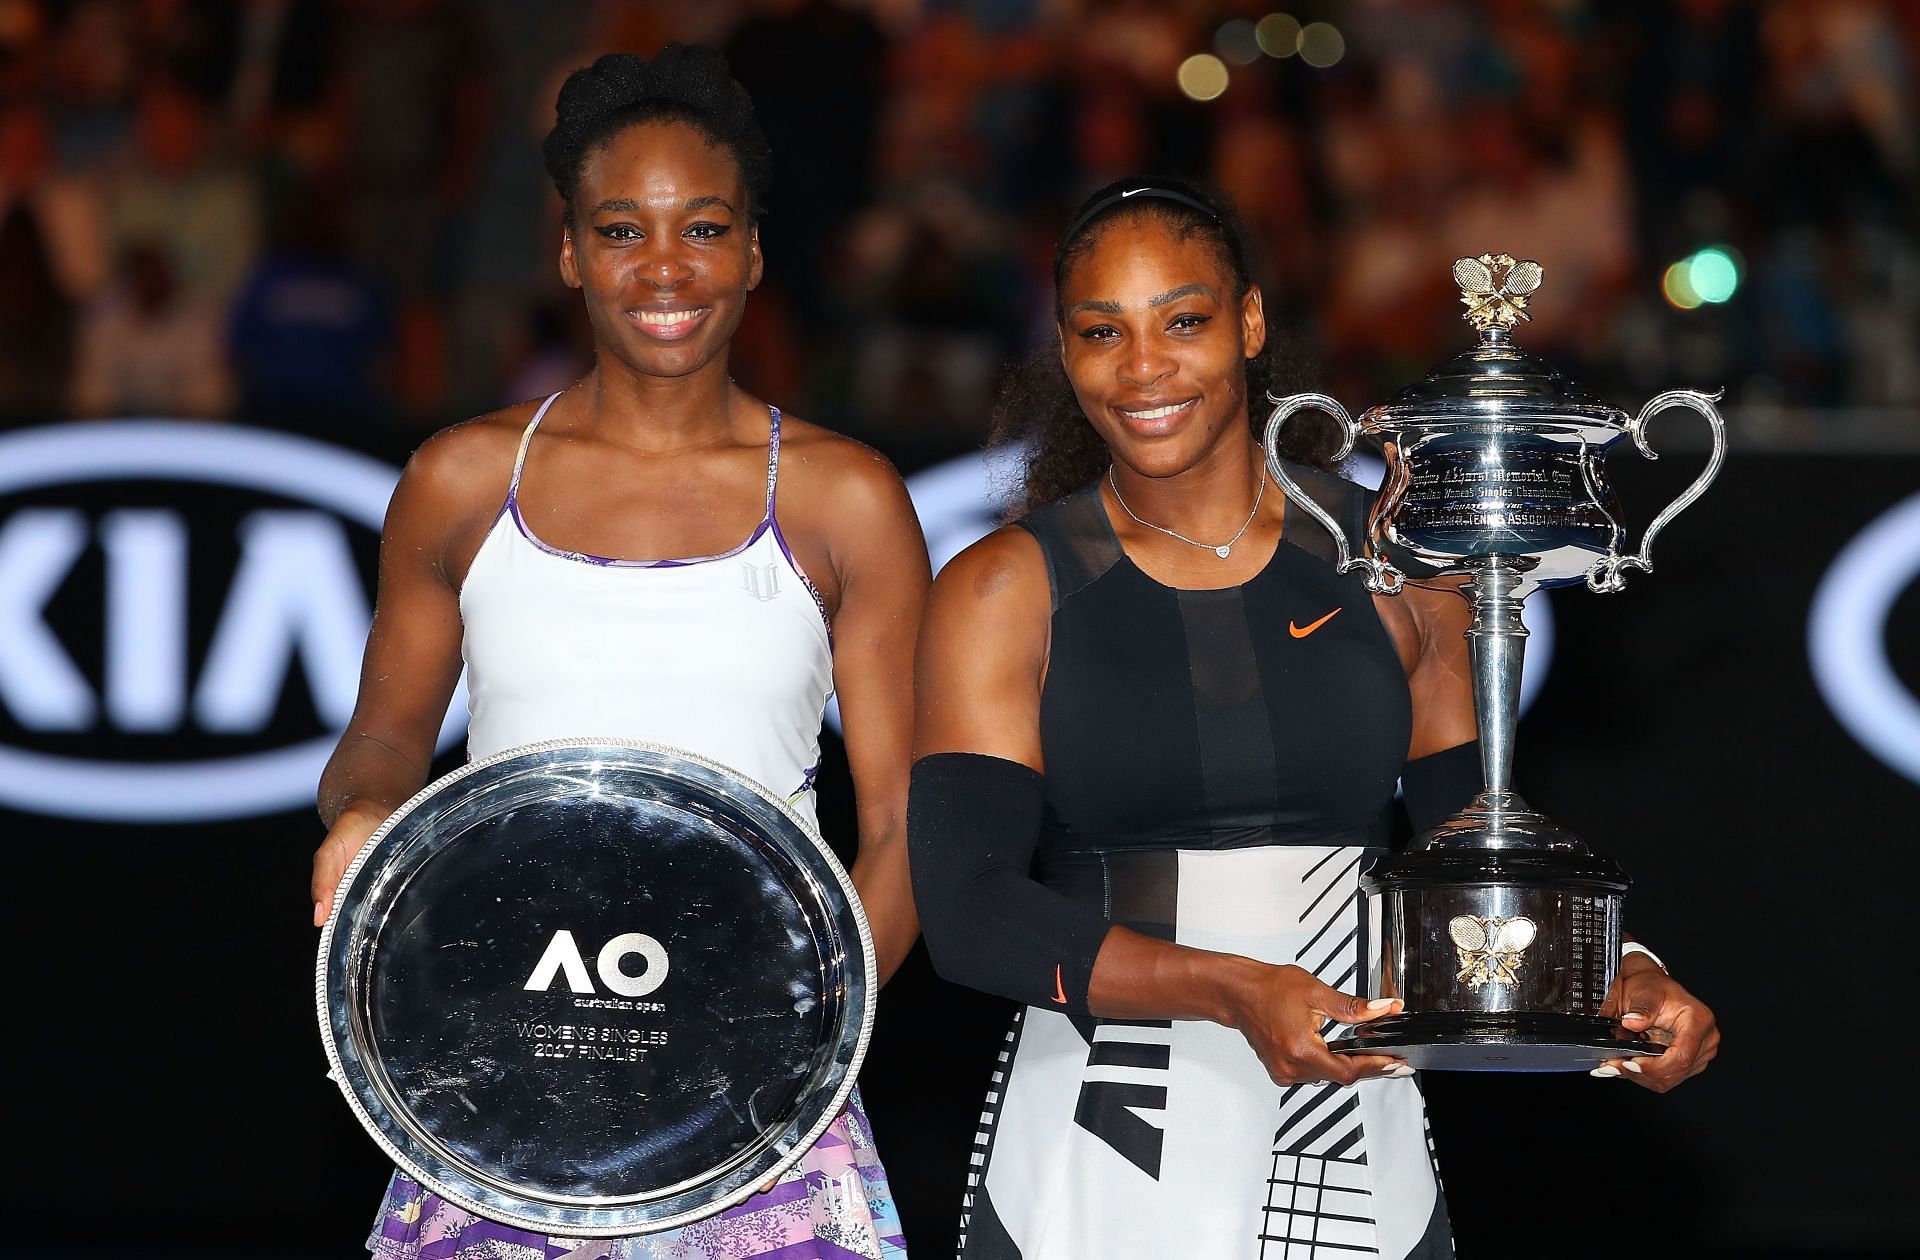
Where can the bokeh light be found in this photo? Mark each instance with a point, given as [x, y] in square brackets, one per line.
[1677, 285]
[1322, 45]
[1238, 42]
[1708, 276]
[1278, 35]
[1203, 76]
[1714, 274]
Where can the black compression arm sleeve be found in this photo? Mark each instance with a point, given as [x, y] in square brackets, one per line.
[972, 825]
[1440, 783]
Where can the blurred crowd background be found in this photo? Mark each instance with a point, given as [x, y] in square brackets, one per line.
[330, 215]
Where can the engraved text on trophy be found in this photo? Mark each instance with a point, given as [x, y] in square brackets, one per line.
[1522, 502]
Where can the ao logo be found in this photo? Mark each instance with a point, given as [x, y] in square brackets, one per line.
[294, 593]
[1847, 637]
[563, 956]
[960, 502]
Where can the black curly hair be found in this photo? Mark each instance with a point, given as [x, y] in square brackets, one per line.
[1037, 404]
[685, 83]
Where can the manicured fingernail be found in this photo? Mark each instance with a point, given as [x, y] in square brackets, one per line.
[1633, 1065]
[316, 910]
[1402, 1070]
[1605, 1069]
[1381, 1004]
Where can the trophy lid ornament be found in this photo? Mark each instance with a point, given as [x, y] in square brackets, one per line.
[1495, 289]
[1494, 380]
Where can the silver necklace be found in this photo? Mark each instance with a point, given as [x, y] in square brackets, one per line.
[1223, 550]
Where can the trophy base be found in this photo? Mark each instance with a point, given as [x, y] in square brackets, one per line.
[1496, 1041]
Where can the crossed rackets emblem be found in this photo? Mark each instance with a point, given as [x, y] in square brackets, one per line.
[1494, 288]
[1490, 949]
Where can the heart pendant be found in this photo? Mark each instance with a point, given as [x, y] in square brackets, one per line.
[1223, 552]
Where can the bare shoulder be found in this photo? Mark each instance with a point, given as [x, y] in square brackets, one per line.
[820, 464]
[454, 485]
[1002, 575]
[983, 652]
[476, 453]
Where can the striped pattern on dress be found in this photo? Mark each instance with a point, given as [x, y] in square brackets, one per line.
[1319, 1195]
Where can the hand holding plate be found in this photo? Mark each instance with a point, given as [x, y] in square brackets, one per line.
[330, 861]
[1654, 1005]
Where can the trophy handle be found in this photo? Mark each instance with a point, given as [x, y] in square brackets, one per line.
[1381, 577]
[1609, 572]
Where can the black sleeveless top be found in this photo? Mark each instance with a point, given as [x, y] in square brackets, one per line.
[1271, 713]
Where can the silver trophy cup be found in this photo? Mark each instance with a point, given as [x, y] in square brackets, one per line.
[1498, 929]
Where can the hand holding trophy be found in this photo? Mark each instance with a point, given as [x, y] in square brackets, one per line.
[1498, 930]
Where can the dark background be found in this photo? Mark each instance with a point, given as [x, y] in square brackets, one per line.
[166, 1076]
[328, 217]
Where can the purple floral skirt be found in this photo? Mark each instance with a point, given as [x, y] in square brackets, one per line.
[833, 1204]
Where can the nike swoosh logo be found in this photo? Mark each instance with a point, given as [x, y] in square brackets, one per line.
[1301, 632]
[1059, 989]
[1128, 193]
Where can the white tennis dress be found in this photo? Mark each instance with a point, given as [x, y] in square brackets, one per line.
[728, 656]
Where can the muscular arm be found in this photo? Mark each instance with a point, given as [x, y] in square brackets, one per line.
[880, 560]
[976, 817]
[1441, 680]
[1442, 773]
[408, 673]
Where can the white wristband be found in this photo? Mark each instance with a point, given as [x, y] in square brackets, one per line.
[1635, 947]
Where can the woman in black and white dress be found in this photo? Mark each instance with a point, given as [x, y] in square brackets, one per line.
[1157, 738]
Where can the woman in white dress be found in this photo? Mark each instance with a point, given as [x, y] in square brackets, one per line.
[652, 554]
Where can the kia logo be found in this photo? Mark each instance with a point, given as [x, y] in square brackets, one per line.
[1847, 637]
[294, 595]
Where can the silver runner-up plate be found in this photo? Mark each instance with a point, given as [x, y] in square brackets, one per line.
[595, 988]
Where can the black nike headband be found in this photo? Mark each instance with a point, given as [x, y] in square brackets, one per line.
[1128, 194]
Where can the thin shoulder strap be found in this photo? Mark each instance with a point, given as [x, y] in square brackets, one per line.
[773, 455]
[526, 440]
[1076, 539]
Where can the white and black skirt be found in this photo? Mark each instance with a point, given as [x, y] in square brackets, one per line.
[1154, 1139]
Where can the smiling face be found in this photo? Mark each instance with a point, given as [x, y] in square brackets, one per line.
[661, 247]
[1155, 340]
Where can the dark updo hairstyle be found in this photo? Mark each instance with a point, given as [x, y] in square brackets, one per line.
[1037, 403]
[685, 83]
